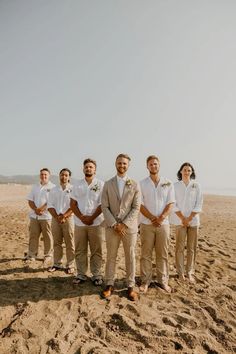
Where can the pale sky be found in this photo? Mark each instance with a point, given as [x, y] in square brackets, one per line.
[94, 78]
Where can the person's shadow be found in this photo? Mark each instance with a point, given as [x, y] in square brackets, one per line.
[47, 286]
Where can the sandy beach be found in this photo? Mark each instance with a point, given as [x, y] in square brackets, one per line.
[46, 313]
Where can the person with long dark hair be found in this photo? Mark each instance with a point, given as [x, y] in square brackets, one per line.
[188, 205]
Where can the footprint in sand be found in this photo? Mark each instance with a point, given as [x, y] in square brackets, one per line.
[186, 321]
[189, 339]
[224, 254]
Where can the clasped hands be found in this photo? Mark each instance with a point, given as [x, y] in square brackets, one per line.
[87, 219]
[157, 220]
[120, 228]
[39, 211]
[186, 221]
[61, 219]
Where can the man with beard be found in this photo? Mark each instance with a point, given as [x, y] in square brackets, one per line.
[157, 200]
[62, 222]
[86, 205]
[120, 206]
[40, 218]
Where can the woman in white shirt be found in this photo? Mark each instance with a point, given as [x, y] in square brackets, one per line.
[188, 205]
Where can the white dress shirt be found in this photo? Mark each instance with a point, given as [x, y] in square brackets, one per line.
[88, 198]
[121, 184]
[188, 198]
[59, 198]
[156, 198]
[39, 195]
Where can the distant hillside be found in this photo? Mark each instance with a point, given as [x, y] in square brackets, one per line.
[27, 179]
[24, 179]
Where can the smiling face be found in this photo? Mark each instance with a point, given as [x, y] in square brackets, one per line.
[64, 177]
[186, 173]
[44, 177]
[89, 169]
[122, 165]
[153, 166]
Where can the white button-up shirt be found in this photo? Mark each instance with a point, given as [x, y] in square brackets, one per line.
[88, 198]
[156, 198]
[39, 195]
[188, 198]
[59, 198]
[121, 184]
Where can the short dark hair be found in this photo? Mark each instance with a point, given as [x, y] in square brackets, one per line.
[45, 169]
[193, 175]
[91, 161]
[125, 156]
[66, 170]
[152, 157]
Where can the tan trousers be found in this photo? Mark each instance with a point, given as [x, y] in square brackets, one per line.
[112, 243]
[36, 227]
[64, 232]
[157, 238]
[92, 235]
[191, 233]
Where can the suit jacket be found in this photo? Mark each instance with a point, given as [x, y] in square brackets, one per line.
[125, 209]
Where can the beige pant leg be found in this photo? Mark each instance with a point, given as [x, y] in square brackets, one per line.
[34, 234]
[129, 243]
[162, 248]
[181, 233]
[57, 242]
[112, 245]
[47, 237]
[147, 237]
[192, 237]
[81, 251]
[95, 239]
[68, 234]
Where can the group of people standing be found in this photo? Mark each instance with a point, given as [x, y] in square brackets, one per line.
[79, 214]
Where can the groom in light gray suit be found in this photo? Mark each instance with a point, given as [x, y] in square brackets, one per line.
[121, 200]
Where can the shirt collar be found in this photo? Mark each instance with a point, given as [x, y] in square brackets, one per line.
[68, 186]
[94, 181]
[159, 183]
[122, 178]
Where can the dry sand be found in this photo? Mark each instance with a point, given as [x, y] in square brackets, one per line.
[46, 313]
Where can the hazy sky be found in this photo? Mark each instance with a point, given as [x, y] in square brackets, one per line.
[95, 78]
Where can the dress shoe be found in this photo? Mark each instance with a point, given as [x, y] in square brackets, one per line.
[132, 295]
[107, 291]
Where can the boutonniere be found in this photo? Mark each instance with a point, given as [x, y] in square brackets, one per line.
[166, 184]
[68, 190]
[128, 183]
[95, 188]
[194, 185]
[47, 190]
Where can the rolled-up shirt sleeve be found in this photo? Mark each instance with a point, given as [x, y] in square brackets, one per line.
[171, 195]
[199, 201]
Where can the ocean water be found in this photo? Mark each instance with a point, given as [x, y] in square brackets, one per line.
[218, 191]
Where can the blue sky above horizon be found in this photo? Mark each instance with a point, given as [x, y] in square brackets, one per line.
[95, 78]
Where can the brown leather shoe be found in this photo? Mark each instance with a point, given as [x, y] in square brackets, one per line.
[132, 295]
[107, 291]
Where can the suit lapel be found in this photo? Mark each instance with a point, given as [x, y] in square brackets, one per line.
[115, 187]
[126, 191]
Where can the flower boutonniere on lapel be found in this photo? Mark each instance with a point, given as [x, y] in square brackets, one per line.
[194, 185]
[95, 188]
[68, 190]
[166, 184]
[128, 183]
[48, 190]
